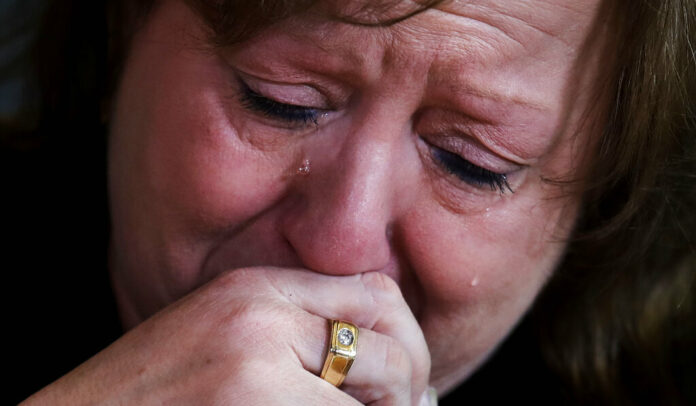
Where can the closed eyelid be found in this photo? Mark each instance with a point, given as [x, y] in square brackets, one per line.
[254, 101]
[301, 93]
[468, 172]
[505, 146]
[248, 92]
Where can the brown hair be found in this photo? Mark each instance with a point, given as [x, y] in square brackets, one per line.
[625, 333]
[617, 319]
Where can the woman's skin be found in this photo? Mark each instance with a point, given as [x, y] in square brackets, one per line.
[207, 200]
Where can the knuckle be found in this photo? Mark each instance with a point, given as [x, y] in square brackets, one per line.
[383, 290]
[379, 281]
[238, 277]
[397, 364]
[251, 283]
[243, 320]
[246, 322]
[240, 306]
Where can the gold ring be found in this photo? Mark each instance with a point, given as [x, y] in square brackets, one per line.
[342, 351]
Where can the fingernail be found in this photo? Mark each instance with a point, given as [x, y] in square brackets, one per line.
[429, 397]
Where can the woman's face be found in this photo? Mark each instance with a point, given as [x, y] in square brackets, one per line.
[425, 146]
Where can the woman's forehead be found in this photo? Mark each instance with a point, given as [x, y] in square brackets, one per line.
[536, 26]
[567, 20]
[562, 18]
[550, 16]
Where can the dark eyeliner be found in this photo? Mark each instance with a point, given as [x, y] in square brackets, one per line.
[254, 101]
[470, 173]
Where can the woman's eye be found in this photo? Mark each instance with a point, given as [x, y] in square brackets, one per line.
[289, 113]
[470, 173]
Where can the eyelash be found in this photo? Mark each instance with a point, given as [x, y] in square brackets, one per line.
[451, 162]
[270, 108]
[470, 173]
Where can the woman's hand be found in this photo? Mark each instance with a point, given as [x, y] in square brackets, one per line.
[260, 336]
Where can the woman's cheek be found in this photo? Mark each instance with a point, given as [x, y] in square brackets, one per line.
[480, 273]
[202, 170]
[199, 179]
[500, 256]
[193, 143]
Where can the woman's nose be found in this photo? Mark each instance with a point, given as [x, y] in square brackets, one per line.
[340, 218]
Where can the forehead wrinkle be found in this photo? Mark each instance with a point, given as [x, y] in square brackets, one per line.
[450, 69]
[479, 21]
[509, 16]
[556, 34]
[503, 22]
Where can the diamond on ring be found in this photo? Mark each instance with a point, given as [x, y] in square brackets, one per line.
[345, 337]
[341, 353]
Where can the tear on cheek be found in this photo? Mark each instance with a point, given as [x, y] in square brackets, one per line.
[474, 281]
